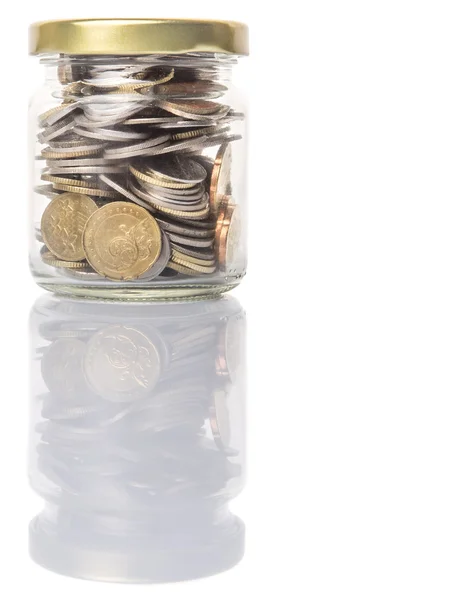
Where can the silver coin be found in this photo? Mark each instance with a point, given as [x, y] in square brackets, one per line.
[108, 99]
[189, 241]
[85, 121]
[46, 190]
[161, 262]
[110, 80]
[111, 135]
[55, 131]
[157, 201]
[38, 234]
[179, 170]
[57, 149]
[177, 146]
[126, 193]
[183, 124]
[170, 121]
[216, 140]
[203, 254]
[86, 274]
[110, 111]
[77, 162]
[58, 115]
[136, 149]
[87, 170]
[164, 193]
[182, 229]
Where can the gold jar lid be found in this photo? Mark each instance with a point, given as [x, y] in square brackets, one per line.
[137, 36]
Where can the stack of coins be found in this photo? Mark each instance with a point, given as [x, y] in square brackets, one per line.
[139, 408]
[132, 194]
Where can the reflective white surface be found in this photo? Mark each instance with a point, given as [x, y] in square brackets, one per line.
[137, 438]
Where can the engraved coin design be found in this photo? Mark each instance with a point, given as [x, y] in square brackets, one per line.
[121, 363]
[122, 241]
[63, 223]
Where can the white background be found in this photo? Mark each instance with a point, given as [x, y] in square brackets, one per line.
[357, 301]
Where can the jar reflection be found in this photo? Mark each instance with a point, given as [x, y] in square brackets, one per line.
[137, 438]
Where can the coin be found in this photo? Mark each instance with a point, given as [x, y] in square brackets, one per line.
[189, 241]
[71, 153]
[91, 191]
[162, 261]
[68, 181]
[85, 170]
[84, 272]
[55, 114]
[192, 265]
[193, 133]
[220, 180]
[61, 367]
[112, 135]
[177, 172]
[157, 201]
[125, 192]
[121, 363]
[189, 258]
[194, 109]
[139, 131]
[56, 130]
[136, 149]
[183, 270]
[227, 236]
[51, 260]
[63, 223]
[203, 254]
[122, 241]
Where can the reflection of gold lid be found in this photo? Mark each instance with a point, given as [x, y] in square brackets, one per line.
[138, 36]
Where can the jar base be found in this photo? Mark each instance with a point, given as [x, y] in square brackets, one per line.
[139, 294]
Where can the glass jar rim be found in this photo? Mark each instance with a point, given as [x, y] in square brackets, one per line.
[129, 37]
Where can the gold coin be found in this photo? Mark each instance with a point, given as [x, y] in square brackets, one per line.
[160, 181]
[193, 107]
[84, 190]
[190, 215]
[176, 254]
[42, 118]
[227, 235]
[63, 223]
[51, 260]
[182, 269]
[122, 241]
[185, 135]
[49, 153]
[220, 181]
[67, 181]
[192, 265]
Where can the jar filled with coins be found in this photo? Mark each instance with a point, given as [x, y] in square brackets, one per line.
[138, 158]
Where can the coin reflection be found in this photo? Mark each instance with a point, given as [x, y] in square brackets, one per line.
[137, 438]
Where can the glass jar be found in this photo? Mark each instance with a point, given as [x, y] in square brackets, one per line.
[137, 437]
[138, 158]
